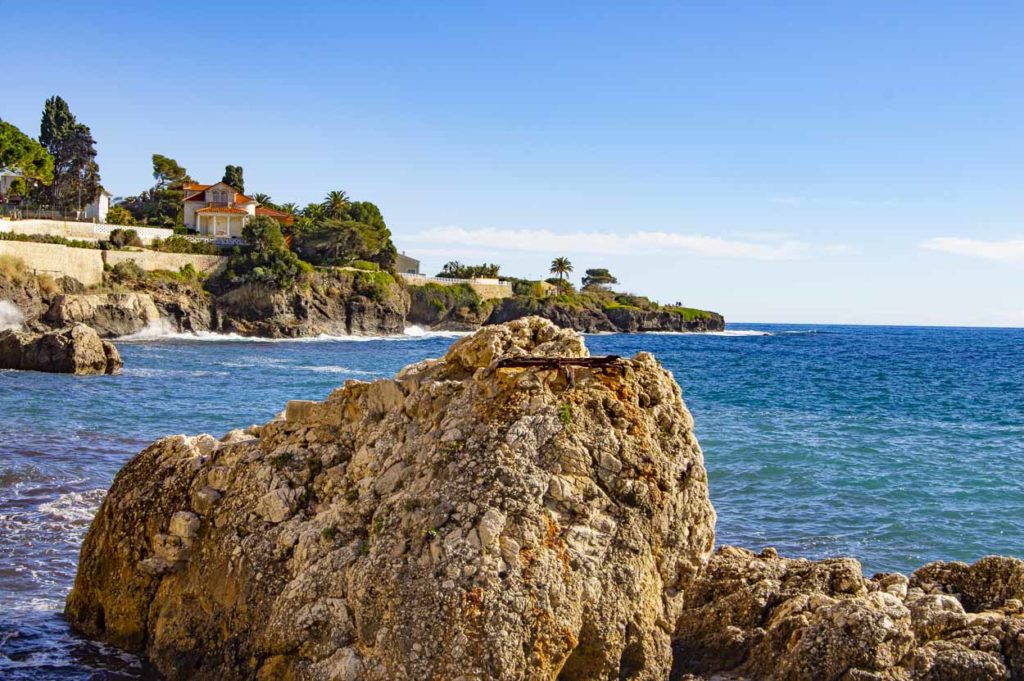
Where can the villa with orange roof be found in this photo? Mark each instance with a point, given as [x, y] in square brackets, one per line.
[219, 210]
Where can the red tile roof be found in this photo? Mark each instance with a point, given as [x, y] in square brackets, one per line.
[272, 212]
[223, 209]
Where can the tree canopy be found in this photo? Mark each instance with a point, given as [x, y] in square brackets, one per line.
[339, 231]
[23, 156]
[161, 204]
[76, 175]
[233, 177]
[599, 278]
[560, 267]
[267, 260]
[457, 270]
[168, 173]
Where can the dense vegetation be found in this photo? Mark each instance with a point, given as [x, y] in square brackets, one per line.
[339, 232]
[23, 156]
[180, 244]
[265, 259]
[59, 240]
[161, 204]
[456, 270]
[76, 175]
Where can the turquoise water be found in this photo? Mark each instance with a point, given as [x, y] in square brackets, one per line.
[896, 445]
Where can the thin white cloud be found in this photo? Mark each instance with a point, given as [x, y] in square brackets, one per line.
[1009, 250]
[609, 243]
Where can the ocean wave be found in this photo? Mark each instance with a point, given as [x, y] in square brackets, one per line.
[163, 330]
[75, 506]
[696, 334]
[10, 316]
[178, 373]
[336, 370]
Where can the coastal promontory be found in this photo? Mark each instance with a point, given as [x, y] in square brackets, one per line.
[517, 510]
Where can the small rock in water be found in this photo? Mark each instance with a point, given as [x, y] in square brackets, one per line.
[74, 349]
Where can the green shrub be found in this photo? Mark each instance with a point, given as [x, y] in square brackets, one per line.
[13, 268]
[127, 272]
[48, 239]
[365, 265]
[119, 215]
[375, 285]
[181, 244]
[120, 238]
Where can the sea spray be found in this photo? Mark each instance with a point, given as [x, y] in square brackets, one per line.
[10, 316]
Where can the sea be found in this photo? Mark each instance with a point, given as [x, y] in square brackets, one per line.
[897, 445]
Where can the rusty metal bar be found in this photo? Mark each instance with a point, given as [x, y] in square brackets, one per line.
[555, 362]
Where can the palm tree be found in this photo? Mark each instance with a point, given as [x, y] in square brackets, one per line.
[290, 207]
[314, 211]
[560, 267]
[262, 199]
[336, 203]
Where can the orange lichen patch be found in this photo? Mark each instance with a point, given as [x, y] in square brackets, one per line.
[473, 602]
[553, 540]
[550, 646]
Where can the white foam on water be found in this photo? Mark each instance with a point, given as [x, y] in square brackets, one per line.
[75, 506]
[164, 330]
[10, 316]
[336, 370]
[738, 332]
[696, 334]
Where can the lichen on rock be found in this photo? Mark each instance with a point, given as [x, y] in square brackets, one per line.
[461, 521]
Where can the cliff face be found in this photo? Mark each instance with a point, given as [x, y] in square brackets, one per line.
[465, 520]
[598, 319]
[334, 304]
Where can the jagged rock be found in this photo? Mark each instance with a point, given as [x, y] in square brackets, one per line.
[404, 529]
[109, 314]
[75, 349]
[759, 616]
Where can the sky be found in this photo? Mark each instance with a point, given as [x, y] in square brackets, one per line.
[791, 162]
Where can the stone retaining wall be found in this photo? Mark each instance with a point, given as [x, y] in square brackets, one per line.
[83, 264]
[156, 260]
[485, 288]
[86, 264]
[86, 231]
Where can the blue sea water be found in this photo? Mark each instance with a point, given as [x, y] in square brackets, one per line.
[895, 445]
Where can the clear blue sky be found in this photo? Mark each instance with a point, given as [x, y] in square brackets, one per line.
[780, 162]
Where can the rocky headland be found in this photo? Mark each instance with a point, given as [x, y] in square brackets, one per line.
[458, 308]
[513, 510]
[332, 302]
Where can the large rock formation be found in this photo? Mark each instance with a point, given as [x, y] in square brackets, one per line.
[611, 319]
[76, 349]
[467, 520]
[513, 511]
[334, 303]
[110, 314]
[759, 616]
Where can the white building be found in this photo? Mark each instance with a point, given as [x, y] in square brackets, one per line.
[217, 210]
[97, 210]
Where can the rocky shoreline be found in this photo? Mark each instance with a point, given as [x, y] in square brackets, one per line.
[482, 517]
[330, 302]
